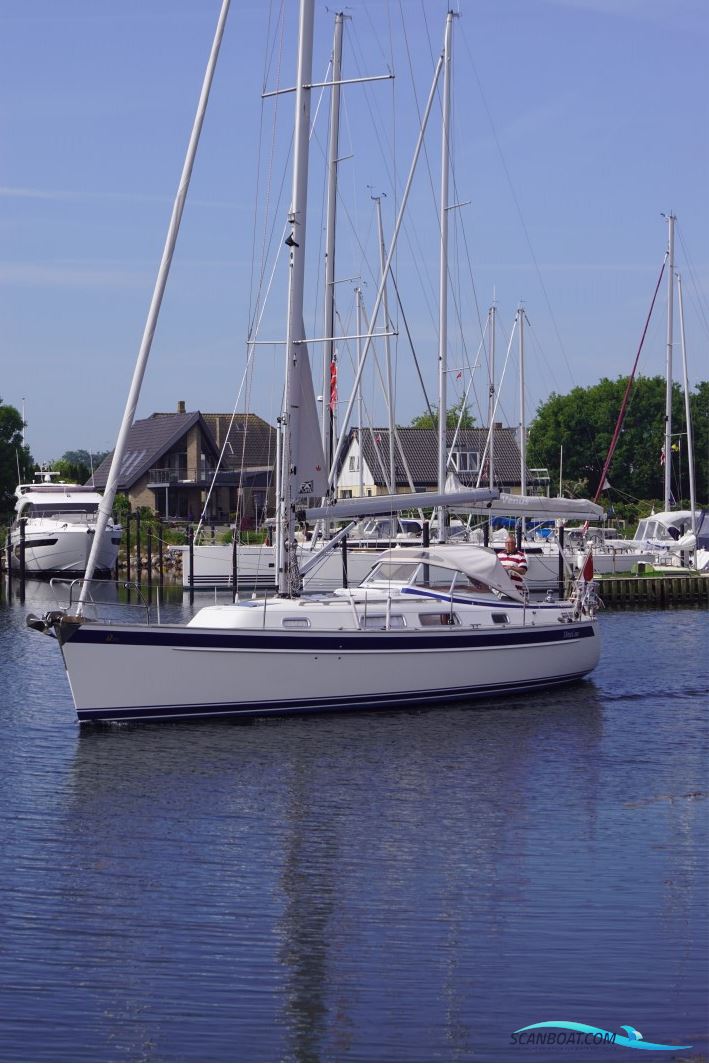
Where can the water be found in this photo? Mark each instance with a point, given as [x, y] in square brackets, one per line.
[393, 886]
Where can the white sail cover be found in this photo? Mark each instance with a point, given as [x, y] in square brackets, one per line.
[541, 508]
[373, 505]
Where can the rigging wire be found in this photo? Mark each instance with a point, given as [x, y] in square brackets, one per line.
[626, 397]
[699, 297]
[516, 202]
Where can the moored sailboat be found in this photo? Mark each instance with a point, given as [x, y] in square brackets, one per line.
[427, 625]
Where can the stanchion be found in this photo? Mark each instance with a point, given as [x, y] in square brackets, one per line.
[344, 562]
[233, 566]
[129, 518]
[138, 548]
[22, 559]
[160, 553]
[8, 555]
[190, 540]
[149, 552]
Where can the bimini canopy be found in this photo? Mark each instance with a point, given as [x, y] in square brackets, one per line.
[477, 563]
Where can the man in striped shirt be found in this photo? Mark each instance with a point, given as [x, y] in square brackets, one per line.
[514, 561]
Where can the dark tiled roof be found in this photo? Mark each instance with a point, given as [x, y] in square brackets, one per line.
[251, 441]
[148, 441]
[421, 451]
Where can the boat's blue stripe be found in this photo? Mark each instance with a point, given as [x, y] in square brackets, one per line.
[301, 705]
[497, 604]
[448, 637]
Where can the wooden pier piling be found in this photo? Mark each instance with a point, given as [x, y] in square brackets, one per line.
[655, 590]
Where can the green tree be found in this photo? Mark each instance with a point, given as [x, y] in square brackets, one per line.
[429, 420]
[15, 458]
[583, 423]
[699, 407]
[76, 466]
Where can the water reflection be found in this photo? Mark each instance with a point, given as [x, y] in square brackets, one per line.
[425, 849]
[363, 866]
[404, 885]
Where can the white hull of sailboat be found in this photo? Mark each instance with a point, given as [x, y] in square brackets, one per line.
[213, 567]
[608, 562]
[148, 672]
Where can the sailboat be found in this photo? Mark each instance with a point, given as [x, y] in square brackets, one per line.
[428, 625]
[673, 537]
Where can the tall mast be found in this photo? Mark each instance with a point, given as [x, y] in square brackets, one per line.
[295, 334]
[491, 399]
[387, 348]
[328, 415]
[522, 421]
[360, 414]
[668, 371]
[443, 278]
[688, 412]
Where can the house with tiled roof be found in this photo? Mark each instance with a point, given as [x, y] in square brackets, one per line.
[416, 461]
[171, 459]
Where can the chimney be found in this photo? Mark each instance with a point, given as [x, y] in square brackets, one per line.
[497, 425]
[181, 406]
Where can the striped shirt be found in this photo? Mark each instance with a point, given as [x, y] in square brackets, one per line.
[512, 561]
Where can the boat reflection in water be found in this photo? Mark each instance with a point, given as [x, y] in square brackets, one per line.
[299, 885]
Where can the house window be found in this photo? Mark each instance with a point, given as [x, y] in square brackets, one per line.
[353, 463]
[465, 461]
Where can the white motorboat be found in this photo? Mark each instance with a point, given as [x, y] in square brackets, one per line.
[427, 626]
[60, 522]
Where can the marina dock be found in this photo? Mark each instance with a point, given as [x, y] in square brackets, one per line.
[654, 589]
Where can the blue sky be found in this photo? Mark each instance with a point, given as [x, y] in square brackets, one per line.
[576, 124]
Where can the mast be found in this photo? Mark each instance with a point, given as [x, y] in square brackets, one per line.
[491, 399]
[360, 415]
[387, 348]
[329, 355]
[443, 278]
[295, 334]
[106, 504]
[668, 391]
[522, 422]
[688, 413]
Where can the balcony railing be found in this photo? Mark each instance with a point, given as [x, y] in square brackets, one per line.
[167, 477]
[190, 477]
